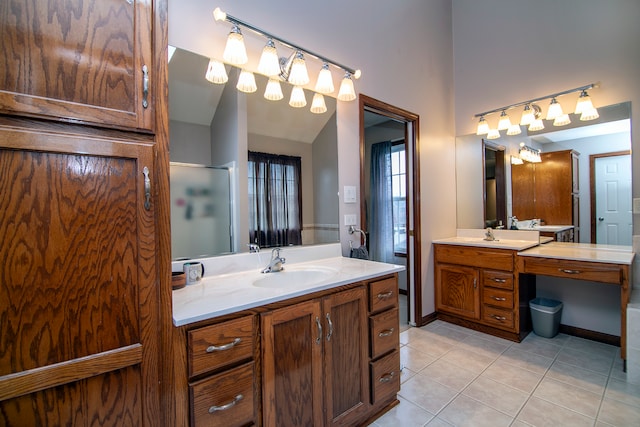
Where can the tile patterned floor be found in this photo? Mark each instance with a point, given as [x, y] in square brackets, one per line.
[453, 376]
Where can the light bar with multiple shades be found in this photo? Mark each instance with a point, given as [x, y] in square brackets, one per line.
[292, 69]
[532, 114]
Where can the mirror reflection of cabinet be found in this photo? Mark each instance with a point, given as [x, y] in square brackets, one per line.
[495, 208]
[547, 190]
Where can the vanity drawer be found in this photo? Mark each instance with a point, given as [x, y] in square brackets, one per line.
[226, 399]
[498, 316]
[385, 377]
[472, 256]
[385, 335]
[497, 279]
[594, 271]
[497, 297]
[213, 347]
[383, 294]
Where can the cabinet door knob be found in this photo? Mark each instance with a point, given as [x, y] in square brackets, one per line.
[223, 347]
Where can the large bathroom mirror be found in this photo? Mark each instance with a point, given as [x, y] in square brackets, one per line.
[212, 130]
[603, 145]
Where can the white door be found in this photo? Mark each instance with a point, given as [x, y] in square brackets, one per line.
[613, 200]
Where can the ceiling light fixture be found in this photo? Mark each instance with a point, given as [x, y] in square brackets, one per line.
[529, 154]
[317, 104]
[273, 91]
[216, 73]
[292, 69]
[515, 160]
[483, 126]
[246, 82]
[514, 129]
[493, 134]
[531, 115]
[297, 99]
[504, 123]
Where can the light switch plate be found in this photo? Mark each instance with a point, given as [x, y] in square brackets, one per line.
[350, 219]
[350, 194]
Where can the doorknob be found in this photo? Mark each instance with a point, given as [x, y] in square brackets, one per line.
[600, 218]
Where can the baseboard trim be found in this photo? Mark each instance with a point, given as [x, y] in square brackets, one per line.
[590, 335]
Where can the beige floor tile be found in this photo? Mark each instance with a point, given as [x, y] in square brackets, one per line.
[404, 414]
[590, 346]
[618, 413]
[438, 422]
[429, 395]
[623, 391]
[450, 375]
[588, 380]
[540, 413]
[414, 359]
[497, 395]
[431, 346]
[526, 360]
[464, 358]
[513, 376]
[539, 346]
[591, 361]
[568, 396]
[480, 345]
[405, 374]
[464, 411]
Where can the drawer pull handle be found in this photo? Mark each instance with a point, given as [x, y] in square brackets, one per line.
[386, 333]
[145, 86]
[569, 271]
[147, 188]
[385, 295]
[500, 280]
[330, 333]
[387, 377]
[319, 325]
[500, 318]
[226, 406]
[232, 344]
[499, 298]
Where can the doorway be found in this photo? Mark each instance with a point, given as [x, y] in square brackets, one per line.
[390, 212]
[610, 182]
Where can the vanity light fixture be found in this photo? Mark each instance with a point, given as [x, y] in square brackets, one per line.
[493, 134]
[317, 104]
[515, 160]
[504, 123]
[246, 82]
[514, 129]
[216, 73]
[292, 69]
[297, 99]
[529, 154]
[532, 117]
[483, 126]
[273, 91]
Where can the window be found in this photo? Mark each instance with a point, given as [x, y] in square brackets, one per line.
[399, 191]
[275, 200]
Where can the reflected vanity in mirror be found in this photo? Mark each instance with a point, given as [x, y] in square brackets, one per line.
[595, 150]
[212, 129]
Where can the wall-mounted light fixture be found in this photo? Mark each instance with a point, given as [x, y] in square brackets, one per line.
[529, 154]
[532, 113]
[292, 68]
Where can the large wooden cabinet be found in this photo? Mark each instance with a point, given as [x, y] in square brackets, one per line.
[479, 288]
[80, 286]
[548, 190]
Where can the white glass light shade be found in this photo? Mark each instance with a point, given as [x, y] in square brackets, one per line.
[527, 116]
[216, 73]
[297, 100]
[555, 110]
[269, 64]
[298, 75]
[493, 134]
[317, 105]
[536, 125]
[514, 129]
[562, 120]
[325, 80]
[273, 91]
[504, 123]
[483, 127]
[515, 160]
[346, 92]
[583, 103]
[589, 114]
[235, 52]
[246, 82]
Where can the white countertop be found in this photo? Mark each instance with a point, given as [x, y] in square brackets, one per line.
[582, 252]
[504, 239]
[221, 294]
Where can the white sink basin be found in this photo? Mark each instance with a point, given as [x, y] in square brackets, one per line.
[294, 278]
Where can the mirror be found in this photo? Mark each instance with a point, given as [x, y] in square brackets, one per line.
[610, 134]
[495, 212]
[216, 126]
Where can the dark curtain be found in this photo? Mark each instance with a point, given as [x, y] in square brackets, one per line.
[275, 200]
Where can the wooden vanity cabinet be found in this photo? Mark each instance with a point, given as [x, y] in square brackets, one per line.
[315, 364]
[476, 287]
[90, 62]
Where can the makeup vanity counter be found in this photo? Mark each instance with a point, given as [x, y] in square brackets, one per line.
[241, 336]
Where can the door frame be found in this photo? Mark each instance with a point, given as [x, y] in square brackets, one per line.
[592, 185]
[414, 274]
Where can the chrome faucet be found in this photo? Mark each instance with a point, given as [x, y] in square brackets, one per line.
[253, 248]
[489, 235]
[276, 262]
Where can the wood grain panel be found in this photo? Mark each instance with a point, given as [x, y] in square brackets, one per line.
[553, 188]
[457, 290]
[498, 259]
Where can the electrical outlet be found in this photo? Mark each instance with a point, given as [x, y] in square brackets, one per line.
[350, 219]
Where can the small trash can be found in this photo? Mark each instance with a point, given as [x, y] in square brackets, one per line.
[545, 316]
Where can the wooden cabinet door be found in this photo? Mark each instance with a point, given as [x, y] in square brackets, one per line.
[553, 188]
[457, 290]
[292, 340]
[77, 61]
[78, 286]
[345, 357]
[522, 191]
